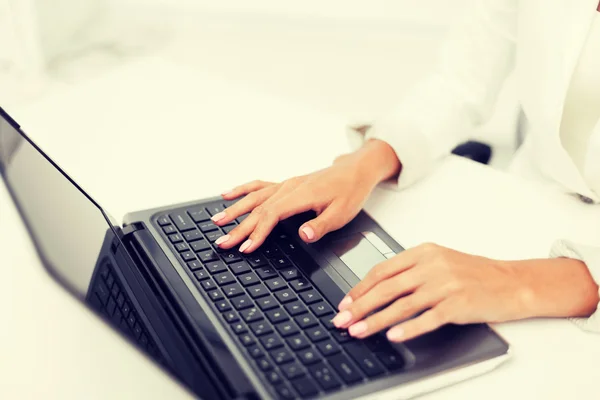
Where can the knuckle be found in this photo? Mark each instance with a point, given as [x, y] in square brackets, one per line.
[429, 247]
[259, 210]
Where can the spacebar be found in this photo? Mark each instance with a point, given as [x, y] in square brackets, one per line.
[319, 278]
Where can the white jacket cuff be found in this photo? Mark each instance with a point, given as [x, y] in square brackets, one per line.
[591, 257]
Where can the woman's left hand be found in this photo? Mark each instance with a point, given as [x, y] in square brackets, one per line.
[449, 286]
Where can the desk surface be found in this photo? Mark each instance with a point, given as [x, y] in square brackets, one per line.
[179, 135]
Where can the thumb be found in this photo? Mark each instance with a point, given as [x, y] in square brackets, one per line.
[330, 219]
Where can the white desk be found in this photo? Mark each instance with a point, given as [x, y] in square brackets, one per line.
[153, 134]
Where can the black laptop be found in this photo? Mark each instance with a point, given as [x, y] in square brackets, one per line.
[228, 325]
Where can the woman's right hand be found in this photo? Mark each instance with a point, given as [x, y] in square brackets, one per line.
[336, 194]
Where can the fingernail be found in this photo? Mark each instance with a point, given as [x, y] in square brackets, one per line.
[342, 319]
[357, 328]
[222, 239]
[219, 216]
[346, 301]
[395, 334]
[225, 193]
[245, 245]
[308, 231]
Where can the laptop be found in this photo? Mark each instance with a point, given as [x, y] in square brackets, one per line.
[228, 325]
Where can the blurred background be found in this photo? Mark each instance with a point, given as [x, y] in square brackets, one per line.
[349, 58]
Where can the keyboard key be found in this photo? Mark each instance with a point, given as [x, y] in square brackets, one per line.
[308, 356]
[110, 307]
[102, 292]
[264, 364]
[342, 336]
[298, 342]
[233, 290]
[208, 284]
[257, 261]
[306, 321]
[120, 300]
[241, 218]
[223, 305]
[281, 262]
[247, 339]
[241, 302]
[176, 238]
[207, 226]
[215, 295]
[311, 296]
[266, 272]
[192, 235]
[286, 329]
[239, 268]
[324, 376]
[271, 341]
[284, 392]
[285, 296]
[224, 278]
[364, 358]
[232, 256]
[316, 333]
[228, 228]
[392, 360]
[194, 265]
[216, 267]
[182, 221]
[321, 309]
[231, 316]
[305, 387]
[326, 321]
[255, 351]
[273, 377]
[249, 279]
[213, 236]
[270, 250]
[300, 285]
[261, 328]
[214, 209]
[289, 273]
[188, 256]
[115, 291]
[267, 303]
[328, 347]
[239, 328]
[201, 275]
[251, 314]
[288, 247]
[164, 220]
[293, 370]
[295, 308]
[198, 214]
[275, 284]
[200, 245]
[281, 356]
[342, 365]
[126, 308]
[277, 315]
[207, 256]
[169, 229]
[258, 291]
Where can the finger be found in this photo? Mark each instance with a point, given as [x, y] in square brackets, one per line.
[330, 219]
[382, 271]
[428, 321]
[379, 295]
[399, 310]
[245, 189]
[245, 205]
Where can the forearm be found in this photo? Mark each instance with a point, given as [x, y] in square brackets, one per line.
[560, 287]
[376, 159]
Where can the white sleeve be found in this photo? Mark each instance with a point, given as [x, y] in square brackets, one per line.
[591, 257]
[440, 112]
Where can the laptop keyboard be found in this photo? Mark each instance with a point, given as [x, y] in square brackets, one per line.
[273, 309]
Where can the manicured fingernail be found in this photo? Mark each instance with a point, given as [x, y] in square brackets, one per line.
[342, 319]
[222, 239]
[357, 328]
[219, 216]
[308, 231]
[245, 245]
[395, 334]
[346, 301]
[225, 193]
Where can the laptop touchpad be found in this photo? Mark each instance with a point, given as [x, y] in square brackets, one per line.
[360, 252]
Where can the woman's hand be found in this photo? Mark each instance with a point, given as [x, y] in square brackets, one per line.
[448, 286]
[336, 194]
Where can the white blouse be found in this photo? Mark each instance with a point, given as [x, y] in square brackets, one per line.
[554, 50]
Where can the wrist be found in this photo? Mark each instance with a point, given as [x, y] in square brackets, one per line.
[377, 160]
